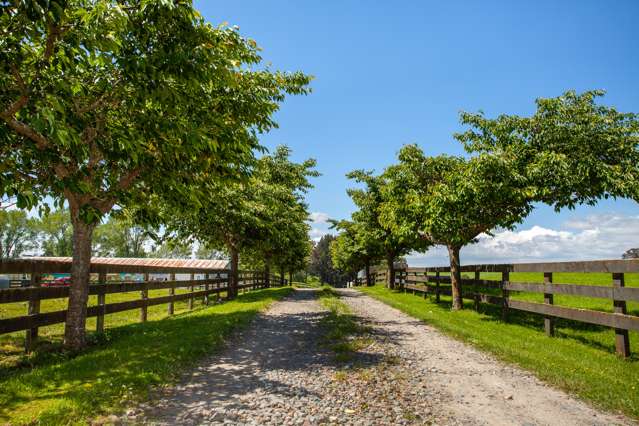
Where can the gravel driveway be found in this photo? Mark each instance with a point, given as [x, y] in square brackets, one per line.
[478, 388]
[280, 372]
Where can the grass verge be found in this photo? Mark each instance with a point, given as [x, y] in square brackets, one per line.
[124, 366]
[344, 333]
[580, 360]
[12, 344]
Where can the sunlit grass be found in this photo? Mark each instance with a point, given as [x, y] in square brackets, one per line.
[343, 332]
[123, 365]
[12, 345]
[581, 359]
[599, 279]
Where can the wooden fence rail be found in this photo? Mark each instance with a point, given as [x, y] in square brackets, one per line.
[214, 281]
[428, 281]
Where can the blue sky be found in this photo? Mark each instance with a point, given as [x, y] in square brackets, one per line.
[390, 73]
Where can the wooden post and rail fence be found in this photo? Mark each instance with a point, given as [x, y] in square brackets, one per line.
[435, 281]
[206, 278]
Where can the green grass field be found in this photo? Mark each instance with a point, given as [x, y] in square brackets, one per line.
[600, 279]
[580, 359]
[12, 345]
[123, 365]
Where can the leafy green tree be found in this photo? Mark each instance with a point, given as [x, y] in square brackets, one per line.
[257, 217]
[370, 201]
[205, 252]
[572, 150]
[321, 263]
[356, 247]
[119, 237]
[343, 257]
[632, 253]
[172, 249]
[17, 233]
[299, 256]
[450, 201]
[55, 232]
[104, 103]
[285, 184]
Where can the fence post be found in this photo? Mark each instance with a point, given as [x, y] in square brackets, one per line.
[205, 299]
[622, 342]
[99, 321]
[476, 292]
[425, 283]
[549, 325]
[437, 287]
[217, 285]
[191, 288]
[171, 306]
[145, 296]
[505, 278]
[33, 309]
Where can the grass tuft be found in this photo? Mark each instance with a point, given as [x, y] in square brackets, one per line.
[343, 332]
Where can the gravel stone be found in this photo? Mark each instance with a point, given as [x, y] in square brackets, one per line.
[280, 372]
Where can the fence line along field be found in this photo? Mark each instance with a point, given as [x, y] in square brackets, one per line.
[42, 304]
[602, 293]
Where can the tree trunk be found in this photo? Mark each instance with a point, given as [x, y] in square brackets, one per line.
[367, 271]
[455, 277]
[75, 327]
[390, 259]
[290, 278]
[267, 273]
[281, 275]
[234, 278]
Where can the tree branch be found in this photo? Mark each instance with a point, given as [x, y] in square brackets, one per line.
[21, 101]
[26, 131]
[54, 33]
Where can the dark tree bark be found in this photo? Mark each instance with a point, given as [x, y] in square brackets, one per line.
[367, 270]
[75, 327]
[234, 278]
[390, 259]
[267, 272]
[282, 275]
[455, 277]
[290, 278]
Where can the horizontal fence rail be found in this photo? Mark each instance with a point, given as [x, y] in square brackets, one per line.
[430, 281]
[210, 282]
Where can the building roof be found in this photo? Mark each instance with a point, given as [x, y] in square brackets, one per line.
[113, 265]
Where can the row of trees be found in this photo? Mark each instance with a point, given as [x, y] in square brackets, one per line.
[571, 151]
[321, 263]
[51, 235]
[109, 106]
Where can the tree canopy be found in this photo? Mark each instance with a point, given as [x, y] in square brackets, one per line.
[355, 247]
[572, 150]
[450, 201]
[105, 103]
[17, 233]
[262, 217]
[370, 201]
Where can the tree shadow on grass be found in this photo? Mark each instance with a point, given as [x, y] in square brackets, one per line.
[127, 364]
[583, 333]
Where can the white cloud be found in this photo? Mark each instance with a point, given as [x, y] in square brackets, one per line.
[316, 233]
[318, 217]
[603, 236]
